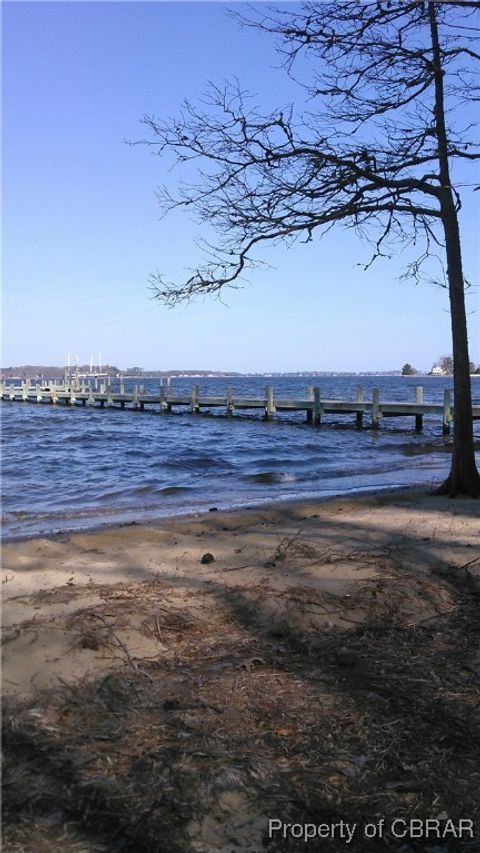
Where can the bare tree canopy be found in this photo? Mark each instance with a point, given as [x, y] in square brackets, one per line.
[390, 89]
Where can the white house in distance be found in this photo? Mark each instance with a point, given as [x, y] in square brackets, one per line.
[437, 371]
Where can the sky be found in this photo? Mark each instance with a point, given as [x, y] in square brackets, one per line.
[82, 231]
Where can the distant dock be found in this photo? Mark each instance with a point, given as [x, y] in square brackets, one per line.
[313, 405]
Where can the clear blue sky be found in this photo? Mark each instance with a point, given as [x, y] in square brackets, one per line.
[82, 230]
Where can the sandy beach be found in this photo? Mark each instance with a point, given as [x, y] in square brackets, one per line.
[173, 686]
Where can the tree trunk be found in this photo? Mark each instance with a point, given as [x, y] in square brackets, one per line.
[464, 478]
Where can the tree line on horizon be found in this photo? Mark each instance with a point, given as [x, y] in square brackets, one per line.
[44, 372]
[41, 371]
[445, 363]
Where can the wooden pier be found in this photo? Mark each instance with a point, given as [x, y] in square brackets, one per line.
[313, 404]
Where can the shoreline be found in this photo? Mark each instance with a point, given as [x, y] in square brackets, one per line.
[191, 513]
[226, 549]
[142, 550]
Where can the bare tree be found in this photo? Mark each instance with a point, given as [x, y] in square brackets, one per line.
[389, 91]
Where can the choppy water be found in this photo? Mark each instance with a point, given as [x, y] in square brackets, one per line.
[67, 468]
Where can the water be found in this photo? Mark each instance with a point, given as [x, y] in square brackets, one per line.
[68, 468]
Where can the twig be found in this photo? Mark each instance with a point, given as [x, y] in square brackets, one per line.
[175, 615]
[159, 630]
[282, 548]
[470, 563]
[237, 568]
[123, 647]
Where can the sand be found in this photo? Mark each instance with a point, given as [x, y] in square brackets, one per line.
[194, 609]
[335, 549]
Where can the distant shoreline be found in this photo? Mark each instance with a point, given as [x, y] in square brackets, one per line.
[54, 372]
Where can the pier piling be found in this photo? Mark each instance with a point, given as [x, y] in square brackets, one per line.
[376, 412]
[195, 395]
[419, 402]
[230, 406]
[270, 404]
[447, 411]
[163, 400]
[359, 396]
[317, 406]
[310, 396]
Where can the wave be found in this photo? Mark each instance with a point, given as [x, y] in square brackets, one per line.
[271, 477]
[173, 490]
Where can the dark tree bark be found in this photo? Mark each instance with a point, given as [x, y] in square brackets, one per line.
[374, 152]
[464, 477]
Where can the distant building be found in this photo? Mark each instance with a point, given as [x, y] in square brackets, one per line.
[437, 371]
